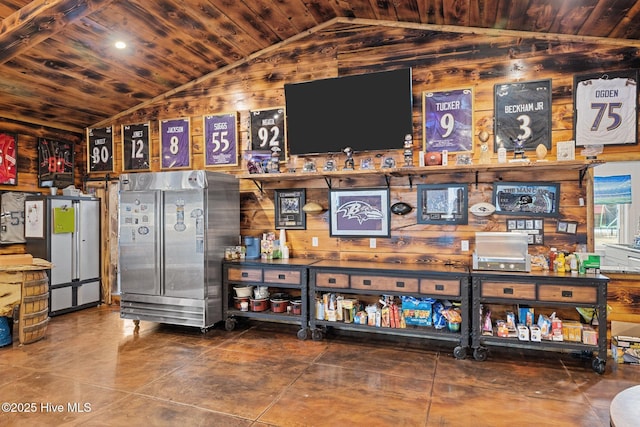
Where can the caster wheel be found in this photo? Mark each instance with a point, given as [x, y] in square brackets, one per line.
[136, 323]
[204, 330]
[316, 335]
[459, 352]
[480, 354]
[599, 365]
[303, 334]
[230, 324]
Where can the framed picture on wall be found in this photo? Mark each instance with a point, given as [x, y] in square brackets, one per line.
[359, 213]
[221, 139]
[288, 209]
[100, 149]
[448, 120]
[34, 219]
[8, 158]
[567, 227]
[267, 129]
[532, 199]
[522, 115]
[605, 108]
[442, 204]
[55, 163]
[532, 227]
[175, 143]
[136, 146]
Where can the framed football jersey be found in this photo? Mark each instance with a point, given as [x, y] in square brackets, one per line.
[100, 149]
[8, 158]
[522, 115]
[605, 108]
[12, 221]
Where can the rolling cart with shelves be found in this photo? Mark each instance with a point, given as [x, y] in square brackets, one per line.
[353, 279]
[279, 275]
[540, 290]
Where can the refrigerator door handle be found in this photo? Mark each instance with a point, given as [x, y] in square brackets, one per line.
[160, 240]
[75, 247]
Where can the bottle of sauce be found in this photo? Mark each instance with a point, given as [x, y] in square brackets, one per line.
[552, 259]
[560, 262]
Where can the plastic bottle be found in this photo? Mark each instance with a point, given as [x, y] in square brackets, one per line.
[502, 154]
[573, 263]
[560, 262]
[552, 259]
[581, 268]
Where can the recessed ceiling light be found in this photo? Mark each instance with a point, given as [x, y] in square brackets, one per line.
[120, 45]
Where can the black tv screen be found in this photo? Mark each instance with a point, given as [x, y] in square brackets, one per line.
[365, 112]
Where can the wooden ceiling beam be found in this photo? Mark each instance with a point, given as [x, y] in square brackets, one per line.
[39, 20]
[44, 123]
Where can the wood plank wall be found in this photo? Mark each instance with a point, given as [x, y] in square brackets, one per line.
[439, 60]
[28, 161]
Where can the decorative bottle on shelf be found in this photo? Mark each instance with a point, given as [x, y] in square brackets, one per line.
[552, 259]
[284, 246]
[502, 154]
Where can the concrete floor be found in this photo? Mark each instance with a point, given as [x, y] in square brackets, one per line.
[95, 369]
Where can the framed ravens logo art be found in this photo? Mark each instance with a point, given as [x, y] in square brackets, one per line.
[360, 213]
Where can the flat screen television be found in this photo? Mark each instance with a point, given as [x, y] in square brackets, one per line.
[365, 112]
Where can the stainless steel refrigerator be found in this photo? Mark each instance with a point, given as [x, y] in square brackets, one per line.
[173, 230]
[66, 231]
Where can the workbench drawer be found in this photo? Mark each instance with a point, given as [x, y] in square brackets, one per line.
[291, 277]
[568, 293]
[526, 291]
[244, 274]
[440, 287]
[385, 283]
[332, 280]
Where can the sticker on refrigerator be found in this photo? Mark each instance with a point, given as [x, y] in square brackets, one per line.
[180, 226]
[198, 214]
[64, 220]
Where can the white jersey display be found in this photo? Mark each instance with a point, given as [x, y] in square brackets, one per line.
[605, 111]
[12, 224]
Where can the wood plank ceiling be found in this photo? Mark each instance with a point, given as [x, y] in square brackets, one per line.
[59, 67]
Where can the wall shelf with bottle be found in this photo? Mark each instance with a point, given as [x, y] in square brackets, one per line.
[580, 166]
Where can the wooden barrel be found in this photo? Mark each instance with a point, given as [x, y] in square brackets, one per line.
[34, 306]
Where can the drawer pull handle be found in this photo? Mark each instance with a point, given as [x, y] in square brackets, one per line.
[332, 280]
[245, 274]
[282, 276]
[507, 291]
[366, 282]
[439, 287]
[399, 284]
[567, 294]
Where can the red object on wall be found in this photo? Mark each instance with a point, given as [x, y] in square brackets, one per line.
[433, 158]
